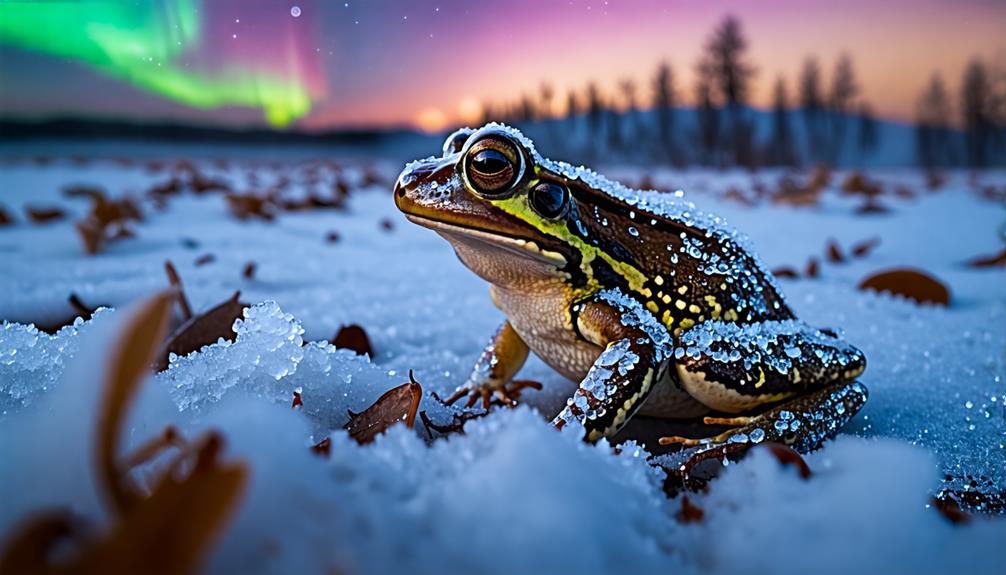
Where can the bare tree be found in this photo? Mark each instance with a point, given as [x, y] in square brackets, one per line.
[595, 116]
[545, 95]
[813, 107]
[781, 147]
[664, 99]
[630, 123]
[932, 115]
[708, 116]
[869, 137]
[843, 92]
[976, 109]
[726, 59]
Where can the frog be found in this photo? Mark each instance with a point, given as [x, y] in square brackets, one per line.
[650, 304]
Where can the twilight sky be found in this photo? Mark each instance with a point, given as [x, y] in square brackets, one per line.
[314, 64]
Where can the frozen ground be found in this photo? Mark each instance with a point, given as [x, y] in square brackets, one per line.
[511, 495]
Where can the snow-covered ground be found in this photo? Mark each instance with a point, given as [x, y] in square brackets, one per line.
[511, 494]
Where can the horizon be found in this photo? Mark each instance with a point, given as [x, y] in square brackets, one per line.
[311, 66]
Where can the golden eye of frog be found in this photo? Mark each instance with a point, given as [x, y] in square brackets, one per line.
[653, 305]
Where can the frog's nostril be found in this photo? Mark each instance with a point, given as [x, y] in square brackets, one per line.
[405, 180]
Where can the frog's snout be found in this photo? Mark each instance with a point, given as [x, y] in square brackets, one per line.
[424, 182]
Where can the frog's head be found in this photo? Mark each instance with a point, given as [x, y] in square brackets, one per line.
[507, 218]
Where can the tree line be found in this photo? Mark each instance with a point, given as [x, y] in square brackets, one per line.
[809, 123]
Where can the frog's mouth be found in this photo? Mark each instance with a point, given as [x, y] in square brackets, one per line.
[491, 239]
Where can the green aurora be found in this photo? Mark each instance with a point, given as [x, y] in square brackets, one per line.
[143, 44]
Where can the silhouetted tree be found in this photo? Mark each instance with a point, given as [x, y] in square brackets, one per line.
[595, 116]
[726, 60]
[781, 146]
[664, 99]
[869, 137]
[630, 122]
[976, 110]
[708, 116]
[545, 95]
[843, 92]
[813, 107]
[932, 136]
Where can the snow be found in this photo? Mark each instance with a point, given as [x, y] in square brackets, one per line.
[511, 494]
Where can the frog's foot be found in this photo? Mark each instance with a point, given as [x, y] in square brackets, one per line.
[488, 392]
[501, 359]
[802, 423]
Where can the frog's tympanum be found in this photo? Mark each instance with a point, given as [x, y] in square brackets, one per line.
[654, 306]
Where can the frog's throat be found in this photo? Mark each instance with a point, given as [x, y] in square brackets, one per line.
[524, 248]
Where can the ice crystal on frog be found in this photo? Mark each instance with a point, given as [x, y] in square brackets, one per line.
[633, 314]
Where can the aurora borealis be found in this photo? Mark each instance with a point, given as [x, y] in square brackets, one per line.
[146, 45]
[367, 63]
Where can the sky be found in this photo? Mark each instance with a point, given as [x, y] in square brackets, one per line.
[318, 65]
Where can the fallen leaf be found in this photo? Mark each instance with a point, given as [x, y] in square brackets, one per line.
[5, 218]
[250, 206]
[201, 330]
[353, 337]
[398, 404]
[248, 272]
[44, 215]
[204, 259]
[994, 261]
[785, 272]
[387, 225]
[811, 270]
[912, 284]
[323, 447]
[176, 282]
[332, 237]
[834, 252]
[298, 401]
[690, 512]
[863, 248]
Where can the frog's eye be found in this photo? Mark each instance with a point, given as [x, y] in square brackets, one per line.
[492, 166]
[456, 141]
[549, 199]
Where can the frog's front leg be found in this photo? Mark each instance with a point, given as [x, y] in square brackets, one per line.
[501, 359]
[747, 368]
[634, 358]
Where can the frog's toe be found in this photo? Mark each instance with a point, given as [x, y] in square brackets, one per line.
[489, 393]
[802, 423]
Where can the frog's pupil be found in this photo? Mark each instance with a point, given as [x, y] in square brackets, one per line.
[548, 199]
[490, 162]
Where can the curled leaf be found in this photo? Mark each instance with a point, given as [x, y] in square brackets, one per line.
[785, 272]
[44, 215]
[834, 252]
[863, 248]
[203, 329]
[994, 261]
[912, 284]
[811, 270]
[355, 338]
[690, 512]
[398, 404]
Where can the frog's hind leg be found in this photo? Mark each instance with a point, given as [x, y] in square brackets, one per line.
[740, 368]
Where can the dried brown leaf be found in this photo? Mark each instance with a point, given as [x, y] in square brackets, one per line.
[248, 272]
[43, 215]
[128, 364]
[204, 259]
[834, 252]
[811, 270]
[910, 283]
[994, 261]
[398, 404]
[690, 512]
[203, 329]
[863, 248]
[355, 338]
[176, 282]
[5, 218]
[785, 272]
